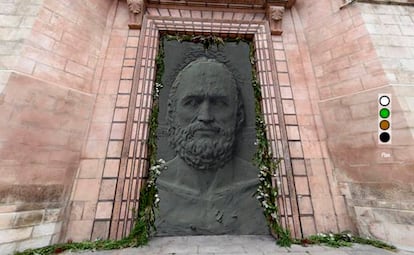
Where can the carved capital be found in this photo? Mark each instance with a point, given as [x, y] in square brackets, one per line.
[137, 9]
[275, 16]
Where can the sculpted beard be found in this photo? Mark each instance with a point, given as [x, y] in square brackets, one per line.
[204, 153]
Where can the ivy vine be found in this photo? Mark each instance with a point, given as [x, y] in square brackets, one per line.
[266, 193]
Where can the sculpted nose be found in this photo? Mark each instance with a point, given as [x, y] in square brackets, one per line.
[204, 113]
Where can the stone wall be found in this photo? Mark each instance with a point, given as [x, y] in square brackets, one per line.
[392, 216]
[331, 214]
[50, 53]
[365, 50]
[94, 187]
[16, 19]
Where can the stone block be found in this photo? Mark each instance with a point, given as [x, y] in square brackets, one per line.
[312, 149]
[30, 218]
[90, 169]
[326, 222]
[95, 149]
[35, 242]
[108, 85]
[86, 190]
[8, 248]
[121, 114]
[299, 167]
[76, 210]
[122, 101]
[79, 70]
[100, 230]
[10, 20]
[44, 56]
[317, 168]
[52, 215]
[295, 149]
[107, 189]
[301, 184]
[114, 149]
[130, 52]
[308, 226]
[293, 132]
[288, 107]
[104, 210]
[111, 168]
[46, 229]
[89, 211]
[127, 73]
[6, 220]
[320, 189]
[305, 205]
[8, 8]
[16, 234]
[308, 133]
[79, 230]
[99, 131]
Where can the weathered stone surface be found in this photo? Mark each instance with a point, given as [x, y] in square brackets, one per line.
[34, 242]
[46, 229]
[8, 248]
[31, 193]
[6, 220]
[17, 234]
[30, 218]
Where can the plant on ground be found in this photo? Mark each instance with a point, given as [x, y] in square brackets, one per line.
[340, 240]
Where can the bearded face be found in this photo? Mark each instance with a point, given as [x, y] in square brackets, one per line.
[204, 152]
[204, 112]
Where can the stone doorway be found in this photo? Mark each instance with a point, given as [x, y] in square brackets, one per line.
[126, 160]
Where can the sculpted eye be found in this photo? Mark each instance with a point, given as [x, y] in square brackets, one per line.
[220, 102]
[192, 101]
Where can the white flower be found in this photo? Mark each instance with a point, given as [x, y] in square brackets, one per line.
[263, 168]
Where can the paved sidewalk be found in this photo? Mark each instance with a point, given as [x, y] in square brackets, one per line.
[243, 245]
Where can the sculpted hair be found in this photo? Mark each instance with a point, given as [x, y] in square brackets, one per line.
[172, 99]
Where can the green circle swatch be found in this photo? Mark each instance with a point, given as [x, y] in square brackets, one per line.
[384, 113]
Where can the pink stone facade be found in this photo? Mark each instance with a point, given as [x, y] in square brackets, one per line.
[75, 100]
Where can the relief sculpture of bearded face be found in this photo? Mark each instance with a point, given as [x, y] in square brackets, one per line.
[205, 112]
[206, 188]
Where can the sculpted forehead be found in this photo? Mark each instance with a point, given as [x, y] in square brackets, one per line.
[206, 78]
